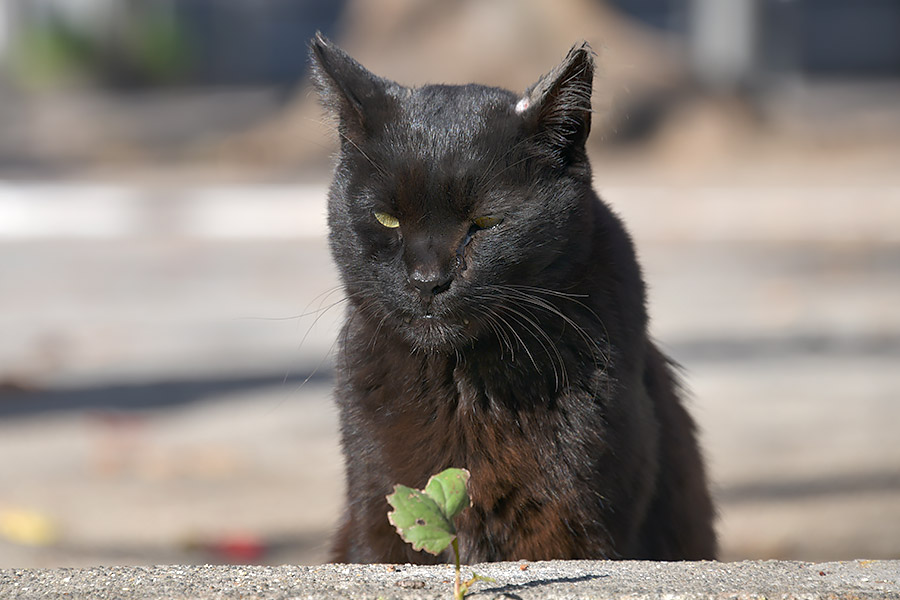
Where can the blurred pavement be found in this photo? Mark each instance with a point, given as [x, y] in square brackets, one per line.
[154, 408]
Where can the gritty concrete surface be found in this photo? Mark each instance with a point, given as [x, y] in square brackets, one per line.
[547, 580]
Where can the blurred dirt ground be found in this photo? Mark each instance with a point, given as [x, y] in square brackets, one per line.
[153, 406]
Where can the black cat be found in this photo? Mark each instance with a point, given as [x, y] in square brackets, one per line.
[496, 321]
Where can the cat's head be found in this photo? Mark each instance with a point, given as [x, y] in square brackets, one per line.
[449, 201]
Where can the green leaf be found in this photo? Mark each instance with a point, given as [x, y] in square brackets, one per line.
[419, 520]
[448, 490]
[425, 518]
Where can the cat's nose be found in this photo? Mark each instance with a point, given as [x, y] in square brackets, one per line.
[429, 282]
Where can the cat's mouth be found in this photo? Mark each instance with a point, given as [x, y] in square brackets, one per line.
[434, 333]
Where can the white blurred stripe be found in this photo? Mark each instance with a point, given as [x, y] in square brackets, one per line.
[79, 210]
[759, 213]
[34, 210]
[283, 211]
[254, 212]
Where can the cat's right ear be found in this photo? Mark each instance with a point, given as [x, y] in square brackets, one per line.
[354, 95]
[558, 106]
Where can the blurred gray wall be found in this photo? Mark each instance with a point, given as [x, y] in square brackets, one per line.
[730, 42]
[254, 41]
[735, 42]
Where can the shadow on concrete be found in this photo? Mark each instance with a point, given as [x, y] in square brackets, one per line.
[508, 591]
[21, 401]
[856, 483]
[802, 344]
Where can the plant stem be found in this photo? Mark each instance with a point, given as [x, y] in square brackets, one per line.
[457, 592]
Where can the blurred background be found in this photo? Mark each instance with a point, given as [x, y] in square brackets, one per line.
[168, 306]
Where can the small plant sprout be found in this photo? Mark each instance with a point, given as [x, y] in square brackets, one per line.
[424, 518]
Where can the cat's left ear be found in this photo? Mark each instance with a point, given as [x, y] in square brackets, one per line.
[558, 106]
[356, 96]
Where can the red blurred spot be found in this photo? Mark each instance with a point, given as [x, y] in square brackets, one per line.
[240, 548]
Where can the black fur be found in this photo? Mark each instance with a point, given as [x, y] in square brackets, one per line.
[501, 327]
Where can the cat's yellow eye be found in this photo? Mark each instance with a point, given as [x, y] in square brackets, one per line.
[486, 222]
[388, 220]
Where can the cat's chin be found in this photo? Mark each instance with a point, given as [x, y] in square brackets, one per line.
[433, 334]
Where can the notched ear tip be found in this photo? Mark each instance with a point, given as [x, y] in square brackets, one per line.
[316, 49]
[320, 39]
[330, 66]
[346, 88]
[329, 61]
[319, 49]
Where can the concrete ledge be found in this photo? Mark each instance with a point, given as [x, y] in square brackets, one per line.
[554, 579]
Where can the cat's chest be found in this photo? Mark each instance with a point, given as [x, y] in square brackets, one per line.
[449, 414]
[447, 391]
